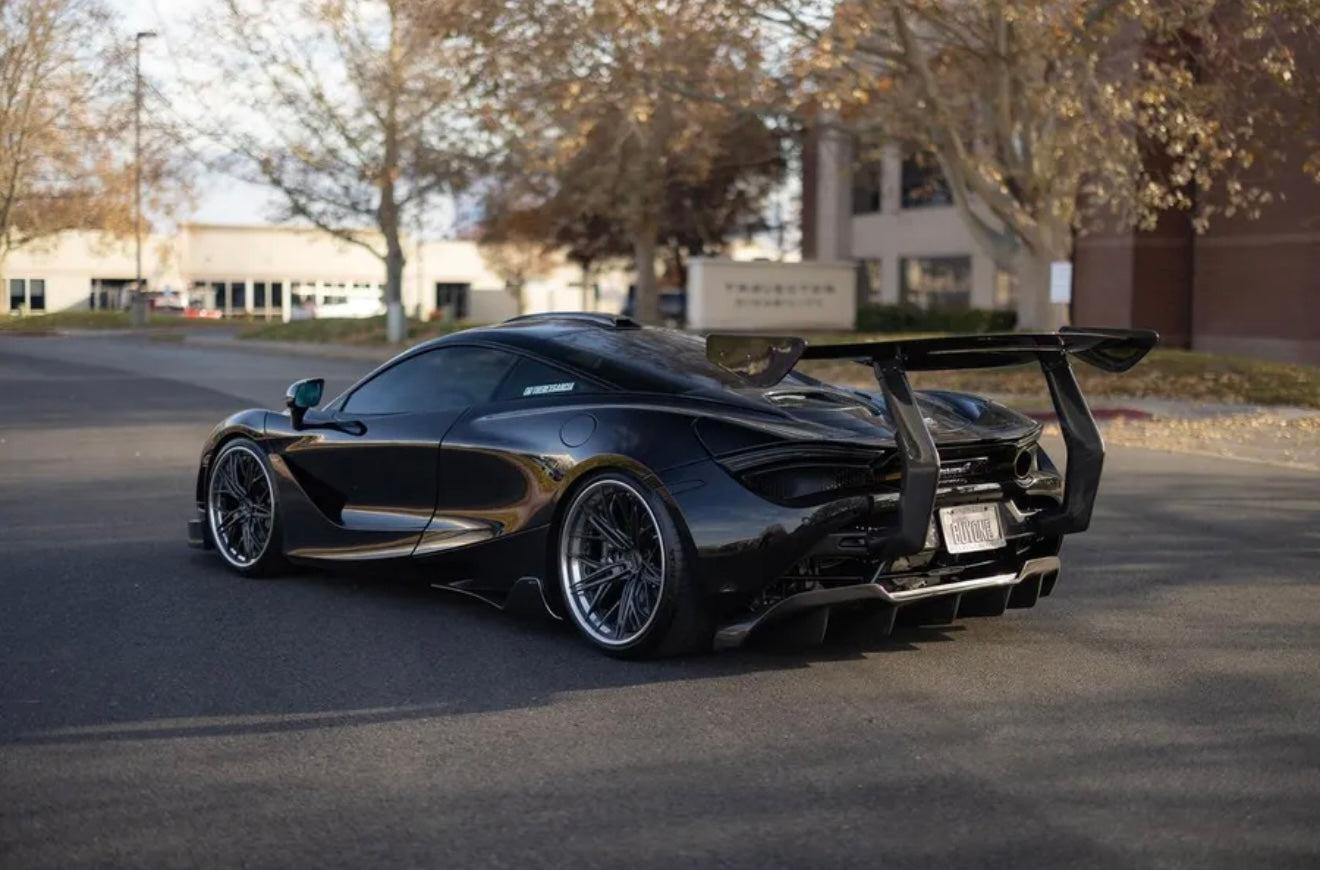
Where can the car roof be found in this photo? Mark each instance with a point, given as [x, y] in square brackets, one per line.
[613, 348]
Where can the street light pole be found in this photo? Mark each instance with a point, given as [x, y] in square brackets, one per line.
[138, 304]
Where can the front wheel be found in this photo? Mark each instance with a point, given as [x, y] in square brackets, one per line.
[242, 509]
[624, 573]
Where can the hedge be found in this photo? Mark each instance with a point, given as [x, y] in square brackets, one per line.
[910, 318]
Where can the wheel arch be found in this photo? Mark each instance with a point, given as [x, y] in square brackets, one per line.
[583, 474]
[250, 424]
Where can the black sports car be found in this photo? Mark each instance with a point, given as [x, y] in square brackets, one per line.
[666, 493]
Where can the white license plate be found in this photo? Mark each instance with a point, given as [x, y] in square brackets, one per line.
[971, 528]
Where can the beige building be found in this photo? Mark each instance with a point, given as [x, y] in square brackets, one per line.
[279, 272]
[892, 214]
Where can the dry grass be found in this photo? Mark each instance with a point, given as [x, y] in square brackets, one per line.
[1165, 374]
[37, 324]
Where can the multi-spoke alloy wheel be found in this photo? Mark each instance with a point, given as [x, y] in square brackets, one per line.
[612, 563]
[240, 504]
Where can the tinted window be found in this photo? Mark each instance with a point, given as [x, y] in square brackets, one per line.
[531, 378]
[935, 282]
[452, 377]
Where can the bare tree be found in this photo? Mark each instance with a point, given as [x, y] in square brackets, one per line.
[569, 211]
[599, 97]
[1051, 117]
[65, 124]
[353, 111]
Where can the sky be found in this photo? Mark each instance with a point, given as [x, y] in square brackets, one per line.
[219, 198]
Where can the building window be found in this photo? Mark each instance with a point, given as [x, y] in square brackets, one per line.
[935, 282]
[870, 282]
[277, 295]
[1006, 289]
[866, 184]
[237, 296]
[27, 294]
[303, 296]
[452, 298]
[259, 295]
[923, 182]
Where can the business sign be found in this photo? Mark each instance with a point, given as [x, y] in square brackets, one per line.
[759, 295]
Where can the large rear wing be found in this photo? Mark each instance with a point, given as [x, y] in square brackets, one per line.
[766, 360]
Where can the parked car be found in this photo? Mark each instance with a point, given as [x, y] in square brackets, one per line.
[665, 493]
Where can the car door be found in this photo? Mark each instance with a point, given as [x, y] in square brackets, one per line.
[501, 462]
[373, 470]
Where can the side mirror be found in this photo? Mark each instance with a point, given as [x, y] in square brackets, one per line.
[301, 396]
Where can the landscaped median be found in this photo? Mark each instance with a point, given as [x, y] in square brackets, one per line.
[348, 330]
[1165, 374]
[76, 321]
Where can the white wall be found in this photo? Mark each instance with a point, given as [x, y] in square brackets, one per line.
[70, 261]
[894, 232]
[206, 252]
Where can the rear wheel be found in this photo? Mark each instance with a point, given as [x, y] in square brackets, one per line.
[242, 509]
[624, 574]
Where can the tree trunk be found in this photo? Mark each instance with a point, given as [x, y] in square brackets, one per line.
[1035, 311]
[396, 325]
[646, 302]
[587, 304]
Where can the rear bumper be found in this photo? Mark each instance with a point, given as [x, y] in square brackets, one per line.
[1036, 577]
[744, 542]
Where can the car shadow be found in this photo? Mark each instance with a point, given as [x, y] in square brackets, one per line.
[210, 653]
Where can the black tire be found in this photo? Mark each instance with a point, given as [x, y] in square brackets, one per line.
[243, 555]
[678, 621]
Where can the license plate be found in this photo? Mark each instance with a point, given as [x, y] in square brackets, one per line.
[971, 528]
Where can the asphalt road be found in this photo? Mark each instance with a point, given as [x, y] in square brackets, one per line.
[1159, 710]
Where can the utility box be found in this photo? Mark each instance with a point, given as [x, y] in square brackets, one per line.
[757, 296]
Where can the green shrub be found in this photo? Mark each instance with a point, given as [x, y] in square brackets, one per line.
[910, 318]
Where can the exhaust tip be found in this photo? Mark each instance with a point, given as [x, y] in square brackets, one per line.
[1024, 462]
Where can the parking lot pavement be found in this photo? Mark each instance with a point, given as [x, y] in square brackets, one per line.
[1159, 709]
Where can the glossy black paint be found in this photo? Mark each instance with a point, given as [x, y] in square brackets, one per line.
[469, 497]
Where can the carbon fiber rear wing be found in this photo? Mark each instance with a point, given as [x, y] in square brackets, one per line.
[766, 360]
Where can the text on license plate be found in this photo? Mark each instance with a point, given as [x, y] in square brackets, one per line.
[971, 528]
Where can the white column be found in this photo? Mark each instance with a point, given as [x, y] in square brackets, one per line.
[834, 196]
[891, 180]
[889, 289]
[286, 300]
